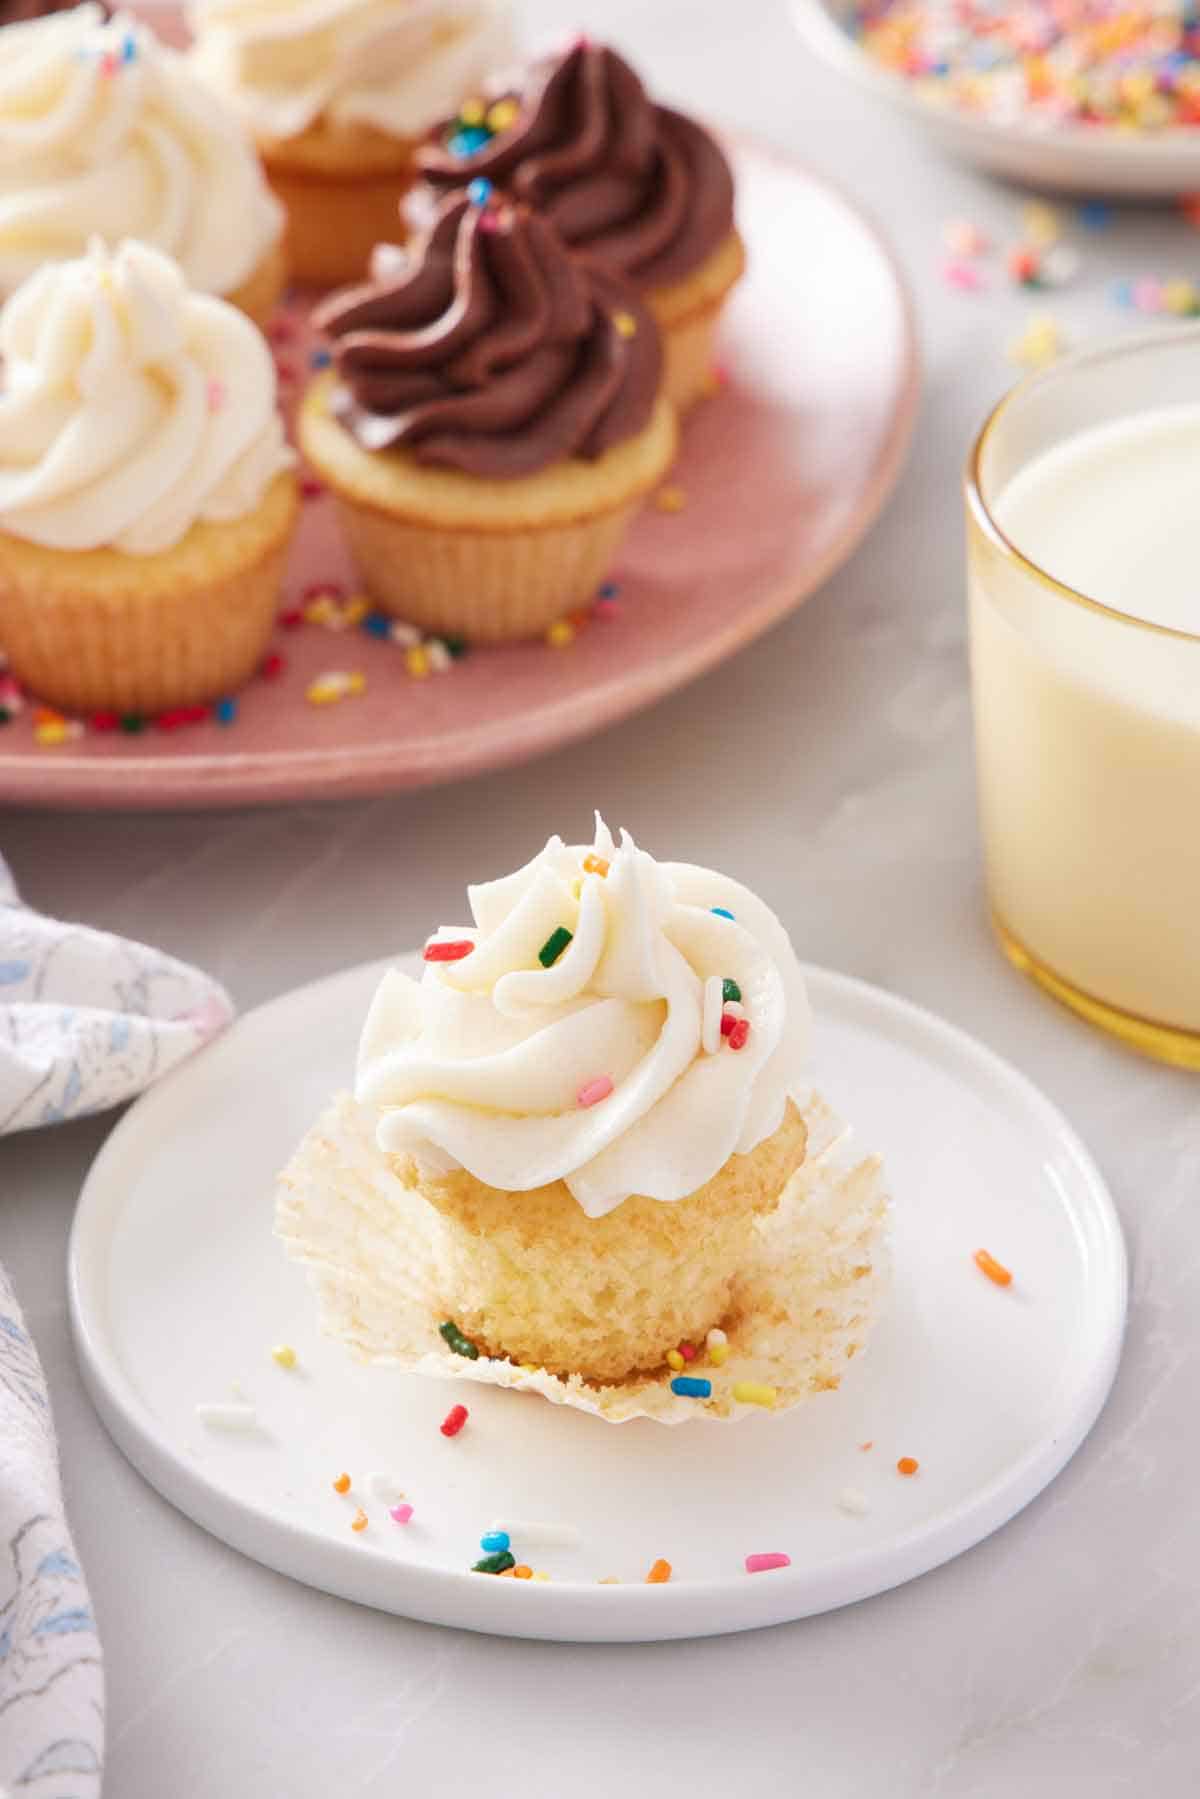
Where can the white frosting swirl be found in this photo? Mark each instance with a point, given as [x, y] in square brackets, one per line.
[105, 132]
[399, 65]
[129, 407]
[480, 1065]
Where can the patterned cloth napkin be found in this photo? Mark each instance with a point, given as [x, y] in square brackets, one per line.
[86, 1021]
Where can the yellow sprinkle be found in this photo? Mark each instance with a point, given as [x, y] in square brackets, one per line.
[670, 499]
[527, 1367]
[284, 1354]
[674, 1360]
[540, 1574]
[1038, 345]
[608, 1580]
[52, 733]
[357, 682]
[625, 323]
[560, 634]
[718, 1354]
[359, 1520]
[751, 1392]
[503, 114]
[1179, 296]
[1040, 224]
[416, 661]
[577, 888]
[321, 612]
[356, 609]
[472, 112]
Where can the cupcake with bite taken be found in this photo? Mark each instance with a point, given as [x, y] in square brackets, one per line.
[338, 94]
[104, 131]
[491, 424]
[640, 189]
[583, 1138]
[147, 494]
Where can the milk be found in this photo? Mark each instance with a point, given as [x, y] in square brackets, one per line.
[1088, 726]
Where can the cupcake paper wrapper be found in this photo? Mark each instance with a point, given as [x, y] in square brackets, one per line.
[812, 1284]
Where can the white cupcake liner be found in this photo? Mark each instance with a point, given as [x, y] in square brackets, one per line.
[811, 1287]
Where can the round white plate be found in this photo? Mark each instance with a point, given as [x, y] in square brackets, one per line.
[178, 1291]
[1153, 165]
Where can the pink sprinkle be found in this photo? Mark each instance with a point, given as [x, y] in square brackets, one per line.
[401, 1513]
[758, 1564]
[1147, 295]
[688, 1351]
[592, 1092]
[606, 608]
[489, 222]
[110, 62]
[281, 330]
[962, 276]
[216, 394]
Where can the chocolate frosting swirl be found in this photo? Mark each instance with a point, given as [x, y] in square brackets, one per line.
[19, 12]
[641, 189]
[495, 351]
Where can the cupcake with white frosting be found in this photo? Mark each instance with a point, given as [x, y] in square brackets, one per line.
[579, 1140]
[338, 94]
[104, 131]
[147, 494]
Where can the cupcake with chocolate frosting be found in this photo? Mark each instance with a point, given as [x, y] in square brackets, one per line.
[492, 422]
[639, 189]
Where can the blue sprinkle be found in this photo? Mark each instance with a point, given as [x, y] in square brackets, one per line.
[65, 1624]
[377, 624]
[479, 191]
[129, 49]
[722, 912]
[494, 1542]
[1096, 215]
[689, 1387]
[465, 143]
[225, 711]
[12, 972]
[610, 590]
[1122, 293]
[320, 359]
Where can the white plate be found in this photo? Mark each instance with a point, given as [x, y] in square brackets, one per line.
[1080, 159]
[178, 1290]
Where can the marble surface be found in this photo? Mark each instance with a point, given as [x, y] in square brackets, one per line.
[831, 766]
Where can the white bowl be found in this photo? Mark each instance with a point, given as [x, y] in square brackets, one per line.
[1069, 159]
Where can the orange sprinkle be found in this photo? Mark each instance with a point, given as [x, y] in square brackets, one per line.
[660, 1572]
[907, 1465]
[342, 1484]
[869, 1445]
[359, 1520]
[995, 1271]
[506, 1574]
[521, 1572]
[595, 865]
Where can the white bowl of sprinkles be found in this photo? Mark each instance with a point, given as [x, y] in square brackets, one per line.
[1000, 87]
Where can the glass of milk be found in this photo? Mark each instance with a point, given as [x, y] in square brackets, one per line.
[1083, 525]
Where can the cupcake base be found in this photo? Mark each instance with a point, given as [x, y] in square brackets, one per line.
[808, 1287]
[688, 314]
[99, 630]
[262, 290]
[492, 561]
[342, 189]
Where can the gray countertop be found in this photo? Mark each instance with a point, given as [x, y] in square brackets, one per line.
[1060, 1657]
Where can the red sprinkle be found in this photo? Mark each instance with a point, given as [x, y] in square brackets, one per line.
[177, 716]
[454, 1420]
[448, 952]
[292, 619]
[284, 370]
[688, 1351]
[310, 487]
[281, 330]
[740, 1033]
[322, 590]
[273, 666]
[104, 721]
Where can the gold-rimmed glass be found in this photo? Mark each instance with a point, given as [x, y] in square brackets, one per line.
[1087, 728]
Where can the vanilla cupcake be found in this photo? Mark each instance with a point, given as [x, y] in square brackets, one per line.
[146, 490]
[578, 1142]
[641, 190]
[490, 426]
[105, 132]
[338, 93]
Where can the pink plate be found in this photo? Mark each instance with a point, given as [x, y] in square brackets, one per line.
[782, 473]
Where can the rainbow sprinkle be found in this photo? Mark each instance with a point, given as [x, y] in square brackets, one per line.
[1081, 63]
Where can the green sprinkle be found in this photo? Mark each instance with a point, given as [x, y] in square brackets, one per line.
[449, 1331]
[457, 646]
[459, 1344]
[131, 724]
[730, 990]
[554, 946]
[495, 1564]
